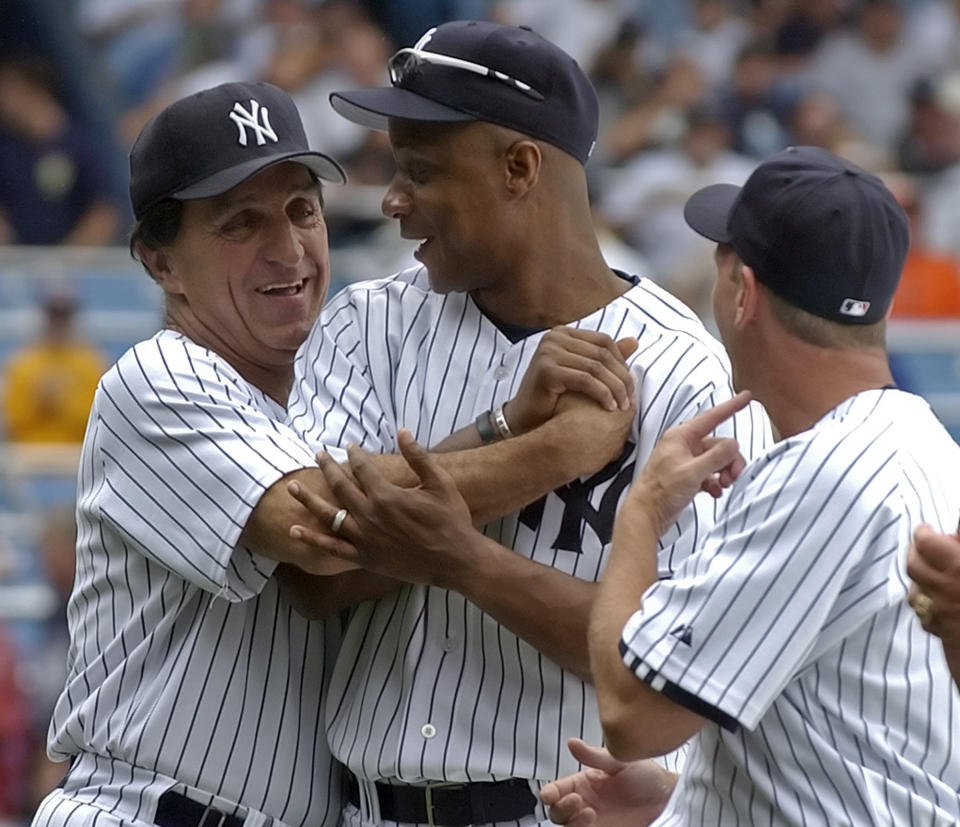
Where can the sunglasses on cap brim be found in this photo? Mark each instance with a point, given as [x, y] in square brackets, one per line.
[407, 63]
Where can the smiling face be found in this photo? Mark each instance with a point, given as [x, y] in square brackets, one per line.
[448, 192]
[249, 270]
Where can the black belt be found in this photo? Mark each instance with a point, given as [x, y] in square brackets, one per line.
[176, 810]
[451, 805]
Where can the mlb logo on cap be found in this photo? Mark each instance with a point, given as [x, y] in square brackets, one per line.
[854, 307]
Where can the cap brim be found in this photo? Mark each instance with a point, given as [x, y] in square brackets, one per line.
[707, 211]
[322, 165]
[372, 108]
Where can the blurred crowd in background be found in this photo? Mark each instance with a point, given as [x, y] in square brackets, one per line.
[692, 92]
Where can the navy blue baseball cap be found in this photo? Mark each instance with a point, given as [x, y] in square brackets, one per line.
[471, 70]
[211, 141]
[818, 230]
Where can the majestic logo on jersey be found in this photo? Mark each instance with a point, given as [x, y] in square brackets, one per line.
[257, 119]
[577, 508]
[684, 634]
[854, 307]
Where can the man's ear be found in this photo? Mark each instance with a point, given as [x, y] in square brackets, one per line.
[157, 261]
[748, 296]
[523, 161]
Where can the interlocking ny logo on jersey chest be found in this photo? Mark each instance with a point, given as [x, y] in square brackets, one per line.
[578, 507]
[256, 119]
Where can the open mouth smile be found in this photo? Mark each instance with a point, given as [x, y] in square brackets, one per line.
[290, 288]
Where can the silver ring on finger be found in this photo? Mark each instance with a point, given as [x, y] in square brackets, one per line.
[337, 522]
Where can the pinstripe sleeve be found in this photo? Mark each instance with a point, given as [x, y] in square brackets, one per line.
[337, 398]
[186, 453]
[772, 584]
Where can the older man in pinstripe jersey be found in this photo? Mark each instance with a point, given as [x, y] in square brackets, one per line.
[186, 665]
[785, 645]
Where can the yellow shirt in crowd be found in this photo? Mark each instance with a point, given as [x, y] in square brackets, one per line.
[48, 390]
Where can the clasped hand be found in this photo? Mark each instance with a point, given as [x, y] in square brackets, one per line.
[411, 534]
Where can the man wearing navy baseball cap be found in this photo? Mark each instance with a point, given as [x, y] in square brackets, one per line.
[473, 676]
[207, 143]
[825, 235]
[785, 646]
[445, 77]
[183, 702]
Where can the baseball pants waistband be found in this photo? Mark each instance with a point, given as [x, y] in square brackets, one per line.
[450, 804]
[176, 810]
[140, 796]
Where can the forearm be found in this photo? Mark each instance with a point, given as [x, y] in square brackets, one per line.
[628, 707]
[319, 596]
[460, 440]
[267, 529]
[505, 476]
[543, 606]
[494, 480]
[317, 585]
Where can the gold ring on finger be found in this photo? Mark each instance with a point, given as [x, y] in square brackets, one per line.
[923, 606]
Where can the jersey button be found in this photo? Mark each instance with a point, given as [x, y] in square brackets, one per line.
[428, 730]
[449, 644]
[501, 373]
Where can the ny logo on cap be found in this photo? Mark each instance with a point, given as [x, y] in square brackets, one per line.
[257, 119]
[854, 307]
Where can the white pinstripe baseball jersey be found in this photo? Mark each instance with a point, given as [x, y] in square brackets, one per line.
[790, 630]
[428, 686]
[186, 665]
